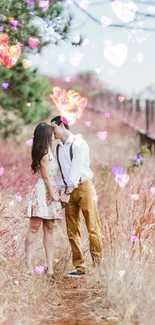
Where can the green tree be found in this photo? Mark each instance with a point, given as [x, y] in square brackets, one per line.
[26, 13]
[24, 101]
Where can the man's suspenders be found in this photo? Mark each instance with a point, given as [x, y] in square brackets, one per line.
[71, 157]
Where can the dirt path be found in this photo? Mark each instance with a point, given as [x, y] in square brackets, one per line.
[66, 302]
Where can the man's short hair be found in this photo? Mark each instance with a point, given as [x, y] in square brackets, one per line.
[60, 119]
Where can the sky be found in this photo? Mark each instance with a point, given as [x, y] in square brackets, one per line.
[131, 76]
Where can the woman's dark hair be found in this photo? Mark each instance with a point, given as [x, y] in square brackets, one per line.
[41, 141]
[60, 119]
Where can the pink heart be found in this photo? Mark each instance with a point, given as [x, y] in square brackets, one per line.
[34, 42]
[107, 115]
[5, 85]
[40, 269]
[96, 198]
[19, 198]
[152, 190]
[29, 142]
[44, 4]
[103, 135]
[134, 239]
[121, 99]
[1, 171]
[88, 123]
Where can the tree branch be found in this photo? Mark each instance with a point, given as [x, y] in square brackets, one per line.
[127, 26]
[107, 1]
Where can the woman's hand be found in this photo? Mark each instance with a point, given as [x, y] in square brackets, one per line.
[55, 196]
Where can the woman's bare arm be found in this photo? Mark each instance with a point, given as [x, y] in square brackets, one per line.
[44, 163]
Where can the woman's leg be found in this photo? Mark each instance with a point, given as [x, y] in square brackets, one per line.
[48, 243]
[35, 223]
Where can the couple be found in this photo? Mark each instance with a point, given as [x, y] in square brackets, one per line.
[64, 179]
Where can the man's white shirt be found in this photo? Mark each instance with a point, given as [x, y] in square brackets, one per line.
[76, 168]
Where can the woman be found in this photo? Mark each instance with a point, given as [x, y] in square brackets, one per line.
[43, 205]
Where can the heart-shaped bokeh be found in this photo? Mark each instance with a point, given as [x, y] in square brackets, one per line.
[4, 39]
[9, 55]
[5, 85]
[1, 171]
[70, 104]
[34, 42]
[26, 63]
[88, 123]
[122, 180]
[135, 197]
[29, 142]
[107, 114]
[125, 11]
[103, 135]
[116, 54]
[121, 99]
[44, 4]
[106, 21]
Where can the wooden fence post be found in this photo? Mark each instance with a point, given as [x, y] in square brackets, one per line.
[147, 115]
[137, 106]
[152, 111]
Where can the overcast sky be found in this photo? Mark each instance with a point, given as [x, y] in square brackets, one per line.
[136, 72]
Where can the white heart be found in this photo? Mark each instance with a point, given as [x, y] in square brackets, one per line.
[116, 54]
[76, 58]
[125, 11]
[135, 197]
[106, 21]
[122, 180]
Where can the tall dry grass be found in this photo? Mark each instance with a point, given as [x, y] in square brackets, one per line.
[126, 278]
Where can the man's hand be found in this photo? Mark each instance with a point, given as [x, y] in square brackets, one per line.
[65, 198]
[70, 188]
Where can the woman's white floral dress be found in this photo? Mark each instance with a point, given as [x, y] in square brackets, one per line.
[39, 202]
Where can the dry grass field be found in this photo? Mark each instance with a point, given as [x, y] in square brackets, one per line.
[122, 290]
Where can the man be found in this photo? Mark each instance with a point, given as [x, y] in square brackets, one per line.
[79, 193]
